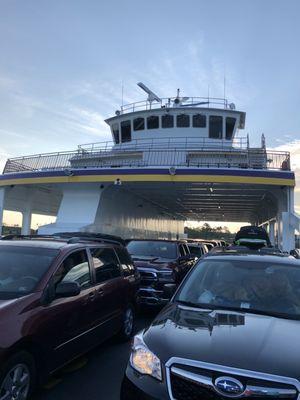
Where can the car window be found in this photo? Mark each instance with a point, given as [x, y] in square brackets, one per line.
[196, 250]
[75, 268]
[155, 248]
[126, 262]
[254, 285]
[106, 264]
[21, 268]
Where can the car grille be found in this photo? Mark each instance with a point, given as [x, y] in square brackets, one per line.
[187, 390]
[147, 277]
[192, 383]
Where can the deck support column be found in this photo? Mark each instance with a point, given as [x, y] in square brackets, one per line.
[272, 232]
[27, 214]
[78, 209]
[2, 198]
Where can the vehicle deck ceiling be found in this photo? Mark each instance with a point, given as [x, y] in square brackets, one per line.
[209, 202]
[196, 201]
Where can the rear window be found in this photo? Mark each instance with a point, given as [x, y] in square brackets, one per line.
[196, 250]
[21, 269]
[152, 249]
[106, 264]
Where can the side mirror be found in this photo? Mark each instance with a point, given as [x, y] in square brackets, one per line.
[169, 290]
[67, 289]
[295, 253]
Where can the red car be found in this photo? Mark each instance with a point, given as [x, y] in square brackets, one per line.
[59, 297]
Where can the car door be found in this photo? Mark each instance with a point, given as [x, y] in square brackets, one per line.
[64, 322]
[130, 273]
[110, 291]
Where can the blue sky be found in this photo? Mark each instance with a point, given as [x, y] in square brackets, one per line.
[62, 63]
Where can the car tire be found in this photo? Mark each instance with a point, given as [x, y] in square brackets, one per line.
[18, 376]
[128, 324]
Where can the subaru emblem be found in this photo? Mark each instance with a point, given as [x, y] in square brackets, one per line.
[229, 387]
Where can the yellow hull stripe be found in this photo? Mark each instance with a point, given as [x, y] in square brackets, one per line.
[151, 178]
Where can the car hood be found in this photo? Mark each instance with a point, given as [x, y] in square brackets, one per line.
[240, 340]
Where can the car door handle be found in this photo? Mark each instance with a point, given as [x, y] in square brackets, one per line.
[100, 292]
[91, 296]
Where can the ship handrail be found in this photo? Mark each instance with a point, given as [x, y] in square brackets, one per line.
[215, 158]
[168, 143]
[167, 103]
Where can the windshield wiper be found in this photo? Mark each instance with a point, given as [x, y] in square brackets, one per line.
[197, 305]
[275, 314]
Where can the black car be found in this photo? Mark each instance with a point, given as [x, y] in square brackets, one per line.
[251, 234]
[230, 331]
[159, 262]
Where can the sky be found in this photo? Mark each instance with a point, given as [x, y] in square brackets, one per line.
[62, 64]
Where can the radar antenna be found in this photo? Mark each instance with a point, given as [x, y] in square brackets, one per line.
[151, 96]
[177, 102]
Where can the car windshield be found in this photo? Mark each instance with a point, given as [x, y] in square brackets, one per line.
[152, 248]
[260, 287]
[21, 268]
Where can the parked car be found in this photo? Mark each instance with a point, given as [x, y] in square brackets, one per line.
[197, 249]
[159, 262]
[255, 235]
[59, 297]
[230, 331]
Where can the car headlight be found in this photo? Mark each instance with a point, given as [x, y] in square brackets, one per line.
[143, 360]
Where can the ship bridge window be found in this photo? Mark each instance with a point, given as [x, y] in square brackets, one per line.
[116, 133]
[215, 127]
[167, 121]
[138, 124]
[199, 121]
[153, 122]
[230, 124]
[126, 131]
[183, 121]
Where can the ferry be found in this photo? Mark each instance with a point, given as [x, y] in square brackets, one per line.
[170, 160]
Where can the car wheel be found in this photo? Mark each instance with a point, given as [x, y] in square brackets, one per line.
[17, 377]
[128, 323]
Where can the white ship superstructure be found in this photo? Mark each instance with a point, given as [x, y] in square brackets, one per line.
[170, 160]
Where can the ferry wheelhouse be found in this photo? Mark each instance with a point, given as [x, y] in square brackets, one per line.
[170, 160]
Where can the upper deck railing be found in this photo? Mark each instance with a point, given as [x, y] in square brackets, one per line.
[188, 152]
[168, 102]
[183, 143]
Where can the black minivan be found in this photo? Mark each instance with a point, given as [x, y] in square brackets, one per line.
[230, 331]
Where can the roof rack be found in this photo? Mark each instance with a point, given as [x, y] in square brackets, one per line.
[87, 236]
[70, 237]
[235, 249]
[20, 237]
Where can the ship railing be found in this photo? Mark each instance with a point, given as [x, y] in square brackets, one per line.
[168, 102]
[167, 143]
[210, 158]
